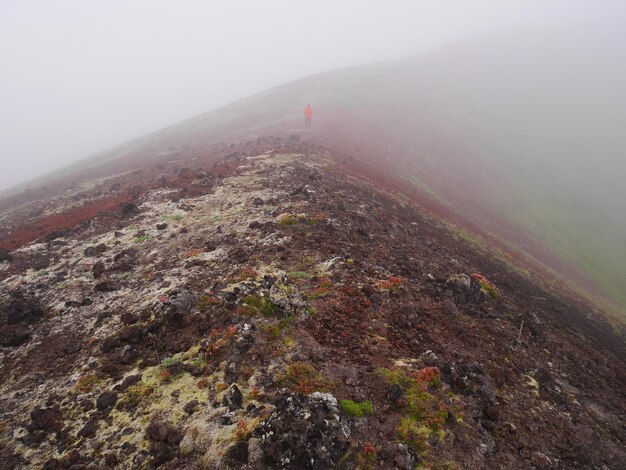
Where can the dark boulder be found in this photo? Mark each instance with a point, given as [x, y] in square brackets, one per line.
[54, 235]
[107, 286]
[21, 308]
[161, 431]
[106, 400]
[13, 335]
[5, 255]
[96, 250]
[98, 269]
[88, 430]
[128, 209]
[48, 419]
[237, 454]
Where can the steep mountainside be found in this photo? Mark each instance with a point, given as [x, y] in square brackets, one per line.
[271, 304]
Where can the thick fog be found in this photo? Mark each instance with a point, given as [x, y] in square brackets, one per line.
[81, 76]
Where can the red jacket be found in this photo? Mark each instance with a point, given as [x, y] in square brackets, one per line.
[308, 112]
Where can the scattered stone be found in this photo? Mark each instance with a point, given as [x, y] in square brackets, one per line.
[233, 399]
[162, 226]
[237, 454]
[128, 209]
[127, 382]
[93, 251]
[98, 269]
[106, 400]
[128, 355]
[395, 393]
[13, 335]
[510, 427]
[191, 407]
[88, 430]
[71, 346]
[107, 286]
[493, 411]
[48, 419]
[110, 343]
[51, 464]
[128, 318]
[256, 225]
[5, 255]
[110, 459]
[540, 460]
[161, 431]
[21, 308]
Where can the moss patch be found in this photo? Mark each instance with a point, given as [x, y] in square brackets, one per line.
[357, 409]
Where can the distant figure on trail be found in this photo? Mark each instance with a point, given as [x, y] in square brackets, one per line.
[308, 114]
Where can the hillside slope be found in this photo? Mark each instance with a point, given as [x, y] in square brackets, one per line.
[212, 317]
[516, 140]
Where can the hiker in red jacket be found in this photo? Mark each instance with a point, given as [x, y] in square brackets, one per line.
[308, 114]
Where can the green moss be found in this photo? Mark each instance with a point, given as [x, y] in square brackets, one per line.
[414, 435]
[298, 275]
[134, 395]
[273, 331]
[141, 239]
[262, 305]
[357, 409]
[477, 243]
[424, 412]
[488, 289]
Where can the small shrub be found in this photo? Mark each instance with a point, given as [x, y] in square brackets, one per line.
[165, 375]
[391, 283]
[486, 286]
[357, 409]
[245, 274]
[218, 338]
[287, 219]
[367, 458]
[430, 376]
[206, 301]
[273, 331]
[424, 412]
[190, 253]
[87, 383]
[134, 395]
[169, 362]
[298, 275]
[303, 378]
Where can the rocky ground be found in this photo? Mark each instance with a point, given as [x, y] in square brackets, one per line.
[273, 310]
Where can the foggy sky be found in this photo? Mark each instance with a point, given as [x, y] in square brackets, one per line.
[79, 76]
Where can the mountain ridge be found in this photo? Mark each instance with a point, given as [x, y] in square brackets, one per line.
[247, 310]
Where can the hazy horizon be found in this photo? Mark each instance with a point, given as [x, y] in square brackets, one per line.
[83, 77]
